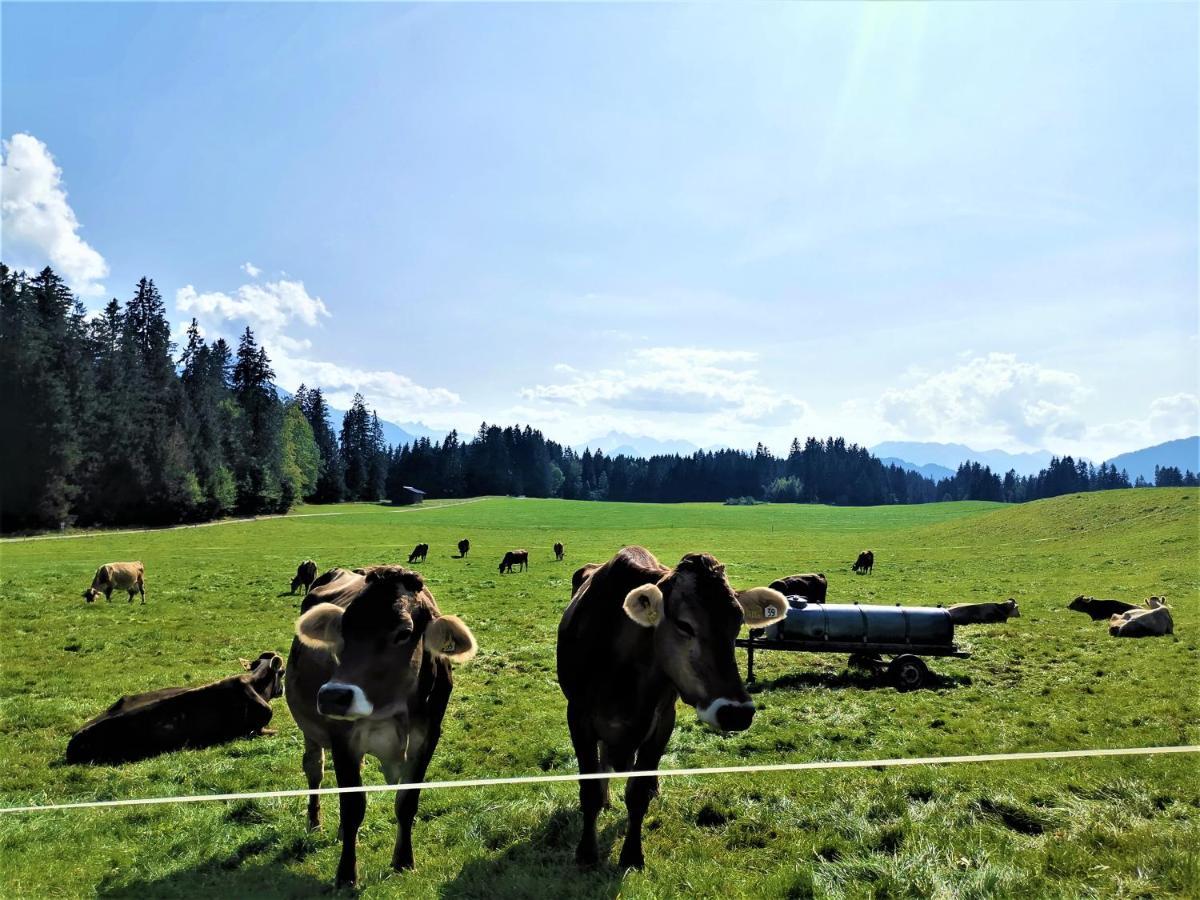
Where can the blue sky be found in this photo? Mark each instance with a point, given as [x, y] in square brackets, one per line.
[954, 222]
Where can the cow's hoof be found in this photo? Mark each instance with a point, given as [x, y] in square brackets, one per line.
[632, 860]
[586, 857]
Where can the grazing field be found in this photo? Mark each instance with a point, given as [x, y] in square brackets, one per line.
[1049, 680]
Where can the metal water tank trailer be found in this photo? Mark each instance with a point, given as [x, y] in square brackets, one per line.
[844, 623]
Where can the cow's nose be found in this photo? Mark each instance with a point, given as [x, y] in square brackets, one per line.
[735, 716]
[334, 700]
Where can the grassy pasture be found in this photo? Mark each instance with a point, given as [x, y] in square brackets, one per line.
[1048, 680]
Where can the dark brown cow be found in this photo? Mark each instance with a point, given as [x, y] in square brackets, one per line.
[123, 576]
[983, 613]
[635, 638]
[514, 558]
[1100, 609]
[463, 547]
[865, 563]
[581, 575]
[559, 550]
[306, 574]
[419, 553]
[812, 587]
[371, 674]
[144, 725]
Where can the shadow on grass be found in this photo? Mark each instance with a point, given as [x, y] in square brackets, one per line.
[223, 880]
[850, 678]
[542, 864]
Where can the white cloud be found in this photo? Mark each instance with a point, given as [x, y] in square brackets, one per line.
[994, 399]
[1168, 418]
[251, 269]
[674, 381]
[273, 310]
[39, 225]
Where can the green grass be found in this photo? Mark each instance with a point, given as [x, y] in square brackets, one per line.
[1048, 680]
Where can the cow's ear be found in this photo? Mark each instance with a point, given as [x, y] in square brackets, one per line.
[762, 606]
[645, 605]
[449, 637]
[321, 626]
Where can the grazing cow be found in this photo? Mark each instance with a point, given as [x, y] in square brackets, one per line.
[812, 587]
[559, 550]
[983, 613]
[371, 674]
[122, 576]
[144, 725]
[514, 558]
[581, 575]
[419, 553]
[1100, 609]
[635, 638]
[306, 574]
[1152, 621]
[463, 546]
[865, 563]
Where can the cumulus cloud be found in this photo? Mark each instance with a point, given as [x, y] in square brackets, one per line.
[674, 380]
[274, 311]
[38, 223]
[994, 398]
[251, 269]
[1167, 418]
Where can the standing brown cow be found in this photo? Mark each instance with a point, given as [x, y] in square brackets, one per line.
[559, 551]
[306, 574]
[123, 576]
[865, 563]
[514, 558]
[635, 638]
[371, 674]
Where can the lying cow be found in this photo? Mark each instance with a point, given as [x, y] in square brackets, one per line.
[306, 574]
[865, 563]
[1153, 621]
[514, 558]
[559, 550]
[812, 587]
[463, 546]
[1100, 609]
[419, 553]
[370, 673]
[984, 613]
[635, 638]
[144, 725]
[122, 576]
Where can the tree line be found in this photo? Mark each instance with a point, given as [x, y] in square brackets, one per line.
[106, 426]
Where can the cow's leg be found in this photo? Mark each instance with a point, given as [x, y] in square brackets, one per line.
[142, 589]
[108, 595]
[348, 767]
[314, 771]
[640, 791]
[591, 792]
[406, 804]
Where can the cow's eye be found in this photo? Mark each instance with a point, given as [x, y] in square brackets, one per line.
[685, 628]
[402, 635]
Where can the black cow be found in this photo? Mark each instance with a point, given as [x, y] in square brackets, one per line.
[419, 553]
[1100, 609]
[865, 563]
[812, 587]
[463, 547]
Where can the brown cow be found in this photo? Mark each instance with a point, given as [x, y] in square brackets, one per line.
[635, 638]
[306, 574]
[514, 558]
[1100, 609]
[334, 586]
[559, 550]
[144, 725]
[419, 553]
[983, 613]
[865, 563]
[1153, 620]
[812, 587]
[122, 576]
[581, 575]
[371, 674]
[463, 547]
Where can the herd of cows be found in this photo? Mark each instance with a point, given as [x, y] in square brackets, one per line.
[370, 672]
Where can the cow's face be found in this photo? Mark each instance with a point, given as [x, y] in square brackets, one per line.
[1010, 606]
[377, 643]
[90, 594]
[272, 686]
[696, 615]
[1079, 603]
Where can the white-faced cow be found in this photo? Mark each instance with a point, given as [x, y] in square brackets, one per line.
[122, 576]
[983, 613]
[370, 673]
[636, 637]
[306, 574]
[1152, 621]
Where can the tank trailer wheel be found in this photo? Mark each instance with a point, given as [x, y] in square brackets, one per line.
[908, 672]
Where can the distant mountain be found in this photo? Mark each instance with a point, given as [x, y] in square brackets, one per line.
[929, 470]
[392, 433]
[951, 456]
[1183, 453]
[618, 443]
